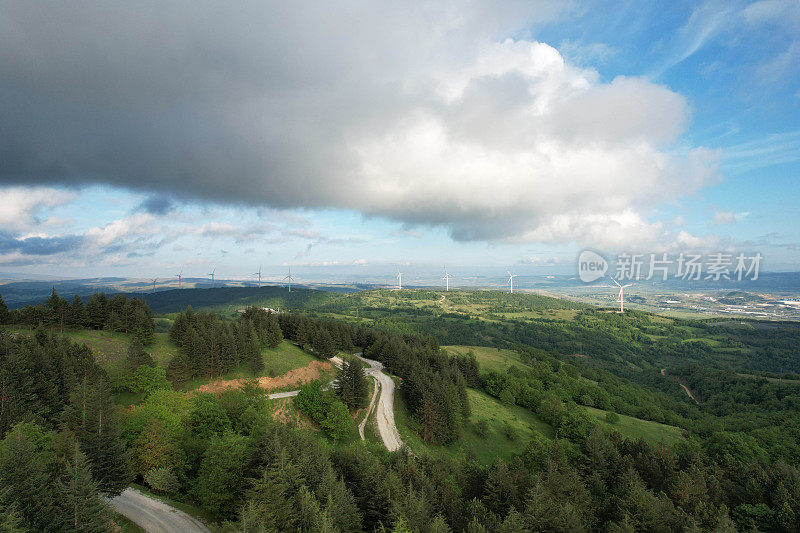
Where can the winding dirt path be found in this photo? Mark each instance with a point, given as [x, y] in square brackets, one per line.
[681, 383]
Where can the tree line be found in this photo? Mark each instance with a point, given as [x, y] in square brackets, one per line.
[117, 313]
[211, 347]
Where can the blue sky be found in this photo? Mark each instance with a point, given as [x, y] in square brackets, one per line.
[513, 137]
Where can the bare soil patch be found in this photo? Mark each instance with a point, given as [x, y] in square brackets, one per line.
[293, 378]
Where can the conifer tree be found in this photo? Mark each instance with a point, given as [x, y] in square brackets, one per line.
[4, 315]
[255, 358]
[323, 344]
[351, 385]
[136, 356]
[92, 417]
[79, 498]
[97, 310]
[274, 334]
[24, 473]
[77, 313]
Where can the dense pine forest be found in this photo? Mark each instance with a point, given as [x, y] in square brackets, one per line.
[67, 443]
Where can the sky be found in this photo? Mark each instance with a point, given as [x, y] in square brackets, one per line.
[142, 140]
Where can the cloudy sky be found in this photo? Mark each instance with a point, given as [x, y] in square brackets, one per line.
[140, 138]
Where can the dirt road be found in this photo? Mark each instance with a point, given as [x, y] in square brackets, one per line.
[384, 410]
[153, 515]
[681, 383]
[363, 423]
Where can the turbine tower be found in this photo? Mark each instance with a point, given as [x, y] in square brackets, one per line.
[154, 284]
[289, 278]
[620, 296]
[212, 277]
[446, 279]
[511, 280]
[399, 279]
[259, 275]
[178, 275]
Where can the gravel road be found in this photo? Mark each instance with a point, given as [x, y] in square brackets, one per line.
[155, 516]
[384, 410]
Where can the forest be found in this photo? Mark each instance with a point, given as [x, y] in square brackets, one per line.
[67, 444]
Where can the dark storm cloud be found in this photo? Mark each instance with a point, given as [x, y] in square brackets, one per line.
[39, 245]
[417, 112]
[249, 103]
[156, 205]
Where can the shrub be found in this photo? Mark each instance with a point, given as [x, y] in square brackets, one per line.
[612, 417]
[482, 428]
[162, 479]
[510, 432]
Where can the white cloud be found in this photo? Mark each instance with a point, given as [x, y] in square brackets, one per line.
[20, 206]
[728, 217]
[140, 225]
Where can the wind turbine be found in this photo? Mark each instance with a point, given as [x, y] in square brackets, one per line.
[511, 280]
[446, 279]
[289, 278]
[212, 277]
[399, 279]
[154, 284]
[259, 275]
[620, 296]
[178, 275]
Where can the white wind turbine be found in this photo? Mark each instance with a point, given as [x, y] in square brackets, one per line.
[259, 275]
[620, 298]
[154, 280]
[511, 280]
[178, 275]
[399, 279]
[446, 279]
[289, 278]
[212, 277]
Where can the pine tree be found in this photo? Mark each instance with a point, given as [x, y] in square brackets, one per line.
[57, 309]
[97, 310]
[25, 474]
[274, 333]
[323, 345]
[77, 313]
[4, 315]
[351, 385]
[11, 520]
[255, 358]
[136, 356]
[91, 416]
[79, 498]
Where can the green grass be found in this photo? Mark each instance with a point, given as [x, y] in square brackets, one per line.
[285, 357]
[485, 449]
[490, 359]
[277, 361]
[633, 428]
[110, 347]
